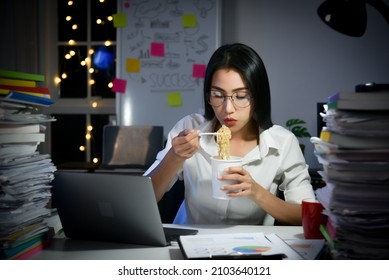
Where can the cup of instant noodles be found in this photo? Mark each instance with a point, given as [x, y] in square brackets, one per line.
[221, 162]
[218, 168]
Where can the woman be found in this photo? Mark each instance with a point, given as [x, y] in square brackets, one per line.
[236, 94]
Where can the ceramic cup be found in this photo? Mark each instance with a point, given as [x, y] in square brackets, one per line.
[312, 218]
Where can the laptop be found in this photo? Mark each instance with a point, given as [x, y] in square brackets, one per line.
[130, 149]
[111, 207]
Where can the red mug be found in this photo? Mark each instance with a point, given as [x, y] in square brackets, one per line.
[312, 218]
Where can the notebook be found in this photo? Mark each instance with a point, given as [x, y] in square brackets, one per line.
[111, 207]
[130, 149]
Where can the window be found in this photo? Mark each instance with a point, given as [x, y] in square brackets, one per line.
[85, 68]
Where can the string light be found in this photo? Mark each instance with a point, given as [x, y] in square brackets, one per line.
[93, 67]
[57, 80]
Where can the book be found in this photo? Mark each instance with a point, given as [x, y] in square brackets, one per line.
[4, 92]
[17, 149]
[255, 245]
[17, 82]
[22, 138]
[19, 128]
[354, 142]
[22, 75]
[24, 248]
[359, 101]
[28, 99]
[32, 250]
[7, 88]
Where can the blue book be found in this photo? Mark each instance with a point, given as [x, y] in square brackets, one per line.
[28, 99]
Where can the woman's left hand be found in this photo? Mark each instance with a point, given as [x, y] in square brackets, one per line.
[245, 184]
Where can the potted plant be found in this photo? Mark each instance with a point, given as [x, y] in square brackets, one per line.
[297, 127]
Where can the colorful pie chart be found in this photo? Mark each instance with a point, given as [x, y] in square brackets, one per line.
[251, 249]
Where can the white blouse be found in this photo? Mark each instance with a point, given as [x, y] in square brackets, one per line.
[277, 164]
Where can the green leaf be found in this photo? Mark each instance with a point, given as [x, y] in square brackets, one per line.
[293, 122]
[300, 131]
[295, 126]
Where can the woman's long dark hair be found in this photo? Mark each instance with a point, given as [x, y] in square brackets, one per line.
[249, 65]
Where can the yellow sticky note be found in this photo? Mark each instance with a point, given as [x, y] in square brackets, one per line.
[189, 20]
[119, 20]
[133, 65]
[174, 99]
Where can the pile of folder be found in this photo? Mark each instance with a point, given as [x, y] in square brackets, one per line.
[353, 149]
[25, 173]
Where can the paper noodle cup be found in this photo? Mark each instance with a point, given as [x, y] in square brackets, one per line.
[218, 168]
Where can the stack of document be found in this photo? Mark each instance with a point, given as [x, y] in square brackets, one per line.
[25, 173]
[353, 149]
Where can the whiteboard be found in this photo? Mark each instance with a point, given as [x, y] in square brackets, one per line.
[163, 47]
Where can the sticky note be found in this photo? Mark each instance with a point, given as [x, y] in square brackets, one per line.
[157, 49]
[119, 85]
[198, 70]
[133, 65]
[119, 20]
[189, 20]
[174, 99]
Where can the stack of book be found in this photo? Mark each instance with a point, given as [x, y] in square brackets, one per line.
[353, 149]
[25, 173]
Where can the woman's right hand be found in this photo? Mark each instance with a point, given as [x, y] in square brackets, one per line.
[186, 143]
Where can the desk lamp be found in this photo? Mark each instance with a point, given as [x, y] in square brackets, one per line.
[350, 16]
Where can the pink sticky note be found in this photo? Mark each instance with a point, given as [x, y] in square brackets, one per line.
[119, 85]
[199, 70]
[157, 49]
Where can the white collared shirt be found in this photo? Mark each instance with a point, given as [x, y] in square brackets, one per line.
[277, 163]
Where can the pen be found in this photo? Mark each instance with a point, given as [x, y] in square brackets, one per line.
[247, 257]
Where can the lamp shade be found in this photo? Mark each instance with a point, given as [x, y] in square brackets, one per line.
[346, 16]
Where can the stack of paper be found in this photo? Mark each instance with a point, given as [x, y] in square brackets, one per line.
[25, 173]
[353, 149]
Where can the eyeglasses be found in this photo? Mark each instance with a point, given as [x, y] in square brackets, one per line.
[240, 99]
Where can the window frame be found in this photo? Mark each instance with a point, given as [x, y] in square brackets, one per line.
[48, 54]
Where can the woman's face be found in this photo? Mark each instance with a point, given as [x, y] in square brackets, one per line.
[228, 82]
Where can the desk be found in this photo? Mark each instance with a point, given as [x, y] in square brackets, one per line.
[70, 249]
